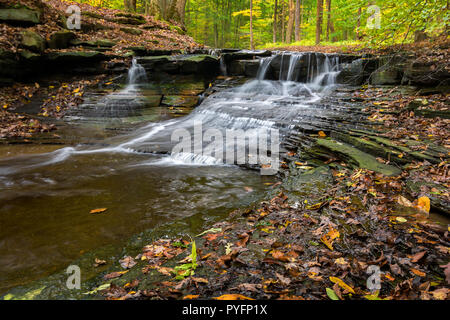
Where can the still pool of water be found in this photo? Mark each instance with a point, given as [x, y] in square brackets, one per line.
[45, 211]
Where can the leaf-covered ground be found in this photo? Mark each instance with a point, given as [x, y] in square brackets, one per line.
[155, 34]
[324, 246]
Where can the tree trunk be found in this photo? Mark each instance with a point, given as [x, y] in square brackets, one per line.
[127, 5]
[291, 21]
[358, 24]
[328, 19]
[275, 23]
[297, 19]
[252, 46]
[283, 21]
[181, 9]
[319, 20]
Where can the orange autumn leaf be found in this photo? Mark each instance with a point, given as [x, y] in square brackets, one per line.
[329, 237]
[233, 297]
[322, 134]
[423, 204]
[190, 297]
[99, 210]
[418, 272]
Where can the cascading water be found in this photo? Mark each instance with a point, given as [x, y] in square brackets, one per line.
[257, 104]
[136, 74]
[52, 193]
[123, 103]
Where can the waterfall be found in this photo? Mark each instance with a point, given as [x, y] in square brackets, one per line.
[326, 72]
[264, 64]
[137, 73]
[291, 75]
[321, 70]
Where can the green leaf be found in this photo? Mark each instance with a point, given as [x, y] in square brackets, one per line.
[331, 294]
[100, 288]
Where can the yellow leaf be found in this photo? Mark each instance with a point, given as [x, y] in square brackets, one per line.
[423, 204]
[401, 219]
[329, 237]
[322, 134]
[100, 210]
[233, 297]
[342, 284]
[5, 106]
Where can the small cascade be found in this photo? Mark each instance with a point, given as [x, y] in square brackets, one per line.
[137, 73]
[264, 64]
[310, 68]
[292, 75]
[326, 72]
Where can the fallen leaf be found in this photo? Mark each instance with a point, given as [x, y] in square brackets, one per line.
[232, 297]
[415, 258]
[114, 275]
[342, 284]
[331, 294]
[423, 204]
[418, 272]
[100, 210]
[127, 262]
[191, 296]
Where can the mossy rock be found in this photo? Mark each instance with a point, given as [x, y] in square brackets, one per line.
[92, 15]
[357, 157]
[132, 31]
[61, 39]
[177, 29]
[32, 41]
[75, 57]
[20, 16]
[30, 56]
[104, 43]
[129, 20]
[130, 15]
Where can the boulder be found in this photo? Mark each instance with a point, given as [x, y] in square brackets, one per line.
[199, 64]
[32, 41]
[131, 20]
[247, 68]
[61, 39]
[428, 73]
[357, 72]
[103, 43]
[388, 76]
[20, 16]
[81, 57]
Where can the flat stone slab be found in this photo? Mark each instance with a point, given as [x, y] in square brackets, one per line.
[362, 159]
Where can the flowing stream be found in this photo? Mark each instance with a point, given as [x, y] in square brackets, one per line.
[47, 192]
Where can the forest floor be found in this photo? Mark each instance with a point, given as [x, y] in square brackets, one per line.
[328, 246]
